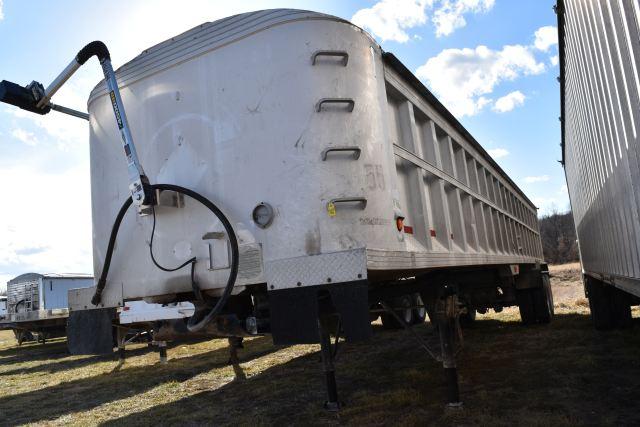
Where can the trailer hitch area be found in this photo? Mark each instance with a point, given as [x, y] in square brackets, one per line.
[222, 326]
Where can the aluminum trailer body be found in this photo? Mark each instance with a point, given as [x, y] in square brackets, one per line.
[348, 184]
[235, 110]
[600, 59]
[38, 303]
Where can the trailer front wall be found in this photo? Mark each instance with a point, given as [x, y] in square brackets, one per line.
[600, 43]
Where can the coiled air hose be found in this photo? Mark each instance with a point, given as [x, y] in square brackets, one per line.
[193, 324]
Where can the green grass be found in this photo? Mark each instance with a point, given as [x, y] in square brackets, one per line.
[562, 374]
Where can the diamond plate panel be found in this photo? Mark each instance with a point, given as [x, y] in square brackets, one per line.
[335, 267]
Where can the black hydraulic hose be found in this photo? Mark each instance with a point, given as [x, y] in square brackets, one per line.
[102, 282]
[193, 325]
[96, 48]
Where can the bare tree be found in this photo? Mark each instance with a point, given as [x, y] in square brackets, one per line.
[558, 235]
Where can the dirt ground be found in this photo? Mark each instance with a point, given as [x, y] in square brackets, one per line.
[565, 373]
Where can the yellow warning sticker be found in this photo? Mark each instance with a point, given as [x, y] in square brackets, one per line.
[331, 208]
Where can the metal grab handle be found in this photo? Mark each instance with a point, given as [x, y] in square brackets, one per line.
[356, 151]
[361, 200]
[339, 53]
[350, 103]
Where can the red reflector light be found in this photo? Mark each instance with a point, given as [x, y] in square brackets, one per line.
[408, 229]
[126, 308]
[433, 233]
[400, 223]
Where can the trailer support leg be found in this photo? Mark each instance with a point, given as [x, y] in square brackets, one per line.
[121, 335]
[162, 346]
[332, 403]
[235, 343]
[447, 327]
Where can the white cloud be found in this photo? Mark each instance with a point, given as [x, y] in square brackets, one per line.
[1, 13]
[25, 136]
[388, 19]
[461, 77]
[554, 60]
[51, 231]
[450, 15]
[498, 153]
[545, 37]
[532, 179]
[509, 102]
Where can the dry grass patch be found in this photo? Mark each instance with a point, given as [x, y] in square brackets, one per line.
[562, 374]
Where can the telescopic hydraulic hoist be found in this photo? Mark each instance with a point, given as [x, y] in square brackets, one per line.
[36, 99]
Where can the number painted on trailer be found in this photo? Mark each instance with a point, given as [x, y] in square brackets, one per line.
[375, 177]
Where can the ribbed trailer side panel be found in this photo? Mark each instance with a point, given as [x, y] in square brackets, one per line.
[600, 54]
[455, 200]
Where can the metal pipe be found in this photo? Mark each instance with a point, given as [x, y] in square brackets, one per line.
[69, 111]
[58, 82]
[136, 173]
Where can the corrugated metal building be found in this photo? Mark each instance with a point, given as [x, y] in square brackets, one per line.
[3, 307]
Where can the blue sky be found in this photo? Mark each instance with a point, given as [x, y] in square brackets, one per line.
[493, 63]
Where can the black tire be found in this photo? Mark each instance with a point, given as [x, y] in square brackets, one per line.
[543, 301]
[524, 298]
[621, 308]
[389, 321]
[599, 303]
[420, 312]
[468, 319]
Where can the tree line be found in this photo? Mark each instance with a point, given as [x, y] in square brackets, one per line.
[558, 234]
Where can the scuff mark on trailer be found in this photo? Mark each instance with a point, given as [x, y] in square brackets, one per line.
[313, 241]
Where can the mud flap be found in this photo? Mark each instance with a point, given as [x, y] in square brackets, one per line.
[91, 331]
[294, 312]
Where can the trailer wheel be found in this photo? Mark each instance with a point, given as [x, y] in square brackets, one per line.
[467, 319]
[599, 303]
[405, 311]
[621, 308]
[23, 336]
[524, 298]
[543, 301]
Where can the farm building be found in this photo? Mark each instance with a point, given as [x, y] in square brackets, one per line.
[33, 296]
[39, 303]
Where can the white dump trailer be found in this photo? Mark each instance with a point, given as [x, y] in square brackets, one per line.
[347, 186]
[599, 63]
[38, 303]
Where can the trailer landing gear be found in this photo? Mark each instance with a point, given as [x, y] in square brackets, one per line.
[446, 319]
[235, 343]
[328, 355]
[448, 327]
